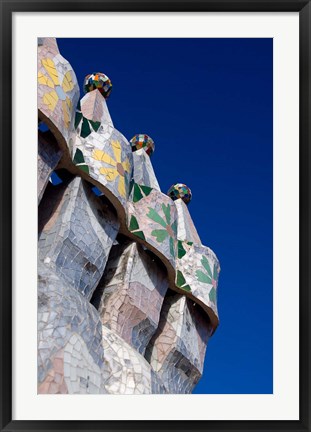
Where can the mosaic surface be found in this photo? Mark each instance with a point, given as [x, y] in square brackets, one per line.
[198, 272]
[131, 294]
[98, 81]
[92, 114]
[142, 141]
[106, 156]
[186, 231]
[143, 173]
[127, 293]
[58, 90]
[177, 350]
[76, 233]
[155, 216]
[48, 157]
[129, 372]
[63, 313]
[180, 190]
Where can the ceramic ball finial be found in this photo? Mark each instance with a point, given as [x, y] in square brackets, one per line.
[180, 190]
[98, 81]
[144, 141]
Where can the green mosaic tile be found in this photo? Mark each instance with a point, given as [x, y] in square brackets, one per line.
[146, 189]
[133, 224]
[159, 234]
[137, 193]
[85, 130]
[78, 119]
[180, 249]
[203, 277]
[172, 249]
[181, 282]
[153, 215]
[140, 191]
[78, 158]
[79, 161]
[212, 295]
[167, 213]
[84, 168]
[95, 125]
[206, 265]
[174, 227]
[140, 234]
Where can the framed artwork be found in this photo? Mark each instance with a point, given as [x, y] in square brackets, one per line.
[159, 186]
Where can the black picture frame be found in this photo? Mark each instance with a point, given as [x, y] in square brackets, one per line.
[7, 10]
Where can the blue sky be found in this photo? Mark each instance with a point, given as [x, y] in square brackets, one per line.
[207, 104]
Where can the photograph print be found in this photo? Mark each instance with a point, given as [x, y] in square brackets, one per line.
[155, 181]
